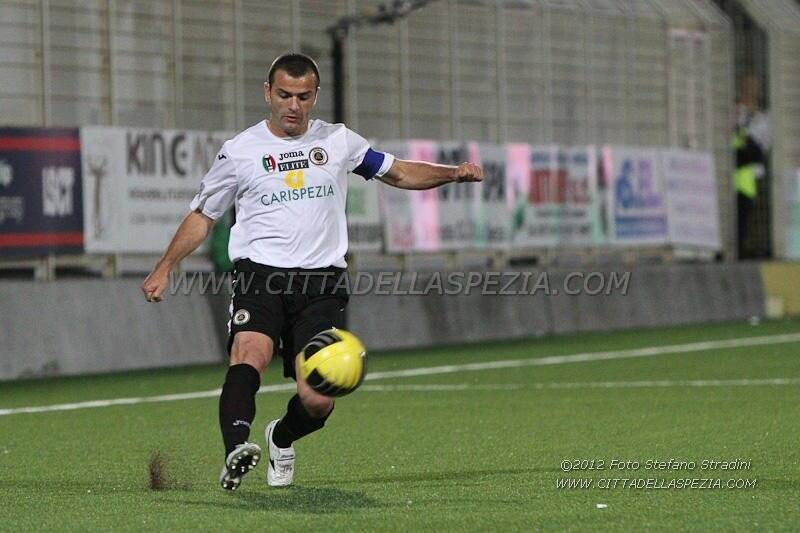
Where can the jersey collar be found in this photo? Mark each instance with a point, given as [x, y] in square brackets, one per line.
[272, 137]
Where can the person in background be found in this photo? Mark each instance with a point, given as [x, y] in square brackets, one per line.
[751, 141]
[220, 237]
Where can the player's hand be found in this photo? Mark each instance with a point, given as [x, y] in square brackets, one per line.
[155, 284]
[468, 172]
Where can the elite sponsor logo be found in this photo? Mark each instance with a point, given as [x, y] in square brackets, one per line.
[318, 155]
[269, 163]
[315, 191]
[293, 165]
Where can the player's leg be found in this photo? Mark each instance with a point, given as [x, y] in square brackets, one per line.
[256, 320]
[250, 354]
[307, 411]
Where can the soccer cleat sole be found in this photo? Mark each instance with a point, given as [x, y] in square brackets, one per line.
[238, 465]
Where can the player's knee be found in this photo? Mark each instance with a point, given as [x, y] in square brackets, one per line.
[317, 405]
[254, 349]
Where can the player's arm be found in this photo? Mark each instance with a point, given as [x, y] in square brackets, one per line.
[369, 163]
[190, 234]
[216, 194]
[418, 175]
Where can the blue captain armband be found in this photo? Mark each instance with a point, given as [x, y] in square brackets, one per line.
[374, 164]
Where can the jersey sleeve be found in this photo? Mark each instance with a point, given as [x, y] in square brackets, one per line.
[218, 188]
[363, 160]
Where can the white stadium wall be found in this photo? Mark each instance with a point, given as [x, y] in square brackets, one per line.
[91, 326]
[76, 327]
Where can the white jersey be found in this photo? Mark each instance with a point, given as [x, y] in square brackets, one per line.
[290, 192]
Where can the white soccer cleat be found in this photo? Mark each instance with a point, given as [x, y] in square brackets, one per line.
[280, 471]
[238, 463]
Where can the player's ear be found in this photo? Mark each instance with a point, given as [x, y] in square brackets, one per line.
[316, 93]
[266, 92]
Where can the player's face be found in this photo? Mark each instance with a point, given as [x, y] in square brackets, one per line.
[290, 101]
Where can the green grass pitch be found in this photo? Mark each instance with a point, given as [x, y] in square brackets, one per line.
[465, 450]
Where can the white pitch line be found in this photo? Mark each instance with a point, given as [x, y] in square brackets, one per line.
[432, 387]
[583, 385]
[590, 356]
[446, 369]
[131, 401]
[669, 383]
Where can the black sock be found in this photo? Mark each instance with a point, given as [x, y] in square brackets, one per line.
[237, 404]
[296, 423]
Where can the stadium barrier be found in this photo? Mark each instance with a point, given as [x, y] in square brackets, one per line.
[653, 296]
[782, 286]
[74, 327]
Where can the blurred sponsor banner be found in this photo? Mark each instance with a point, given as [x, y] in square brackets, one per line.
[793, 231]
[491, 218]
[396, 209]
[637, 210]
[459, 204]
[40, 192]
[692, 207]
[582, 199]
[425, 204]
[552, 194]
[544, 196]
[364, 229]
[138, 184]
[451, 217]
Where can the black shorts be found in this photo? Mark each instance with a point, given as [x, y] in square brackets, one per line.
[290, 305]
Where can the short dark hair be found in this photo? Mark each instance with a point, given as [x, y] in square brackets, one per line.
[295, 64]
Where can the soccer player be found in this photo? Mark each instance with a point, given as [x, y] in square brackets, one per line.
[288, 178]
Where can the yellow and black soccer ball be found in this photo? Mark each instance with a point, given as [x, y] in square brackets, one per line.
[334, 362]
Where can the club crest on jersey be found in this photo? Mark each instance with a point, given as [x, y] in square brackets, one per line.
[269, 163]
[242, 316]
[318, 156]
